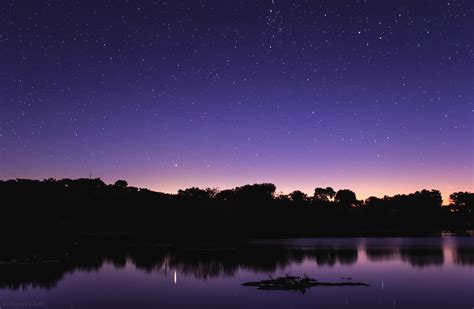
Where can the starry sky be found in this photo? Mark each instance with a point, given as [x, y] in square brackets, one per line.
[374, 96]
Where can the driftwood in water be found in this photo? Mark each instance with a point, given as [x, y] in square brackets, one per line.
[294, 283]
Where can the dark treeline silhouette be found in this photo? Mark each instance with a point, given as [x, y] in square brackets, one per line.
[65, 207]
[45, 267]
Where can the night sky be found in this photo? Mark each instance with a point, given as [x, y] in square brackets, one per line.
[374, 96]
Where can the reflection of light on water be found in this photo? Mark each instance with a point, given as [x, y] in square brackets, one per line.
[175, 278]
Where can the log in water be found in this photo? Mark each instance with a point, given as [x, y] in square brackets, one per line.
[295, 283]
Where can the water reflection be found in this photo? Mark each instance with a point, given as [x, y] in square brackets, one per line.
[416, 256]
[464, 256]
[45, 272]
[423, 256]
[380, 254]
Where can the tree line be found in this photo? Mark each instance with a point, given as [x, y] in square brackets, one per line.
[71, 206]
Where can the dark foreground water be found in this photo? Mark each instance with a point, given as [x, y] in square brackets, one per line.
[402, 273]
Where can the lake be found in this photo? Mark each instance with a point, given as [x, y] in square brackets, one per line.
[401, 272]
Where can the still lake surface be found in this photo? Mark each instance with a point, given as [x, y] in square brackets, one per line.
[402, 273]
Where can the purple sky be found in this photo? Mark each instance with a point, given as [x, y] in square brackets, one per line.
[375, 96]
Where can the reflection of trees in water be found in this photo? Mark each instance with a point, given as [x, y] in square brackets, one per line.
[46, 271]
[204, 264]
[422, 256]
[146, 258]
[346, 255]
[464, 256]
[22, 276]
[201, 264]
[268, 259]
[329, 256]
[415, 255]
[377, 254]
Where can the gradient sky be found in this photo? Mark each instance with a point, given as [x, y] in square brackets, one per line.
[375, 96]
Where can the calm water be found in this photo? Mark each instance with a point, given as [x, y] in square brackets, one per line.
[402, 273]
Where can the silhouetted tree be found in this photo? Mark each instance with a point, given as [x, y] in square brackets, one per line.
[324, 195]
[120, 184]
[195, 193]
[463, 199]
[346, 197]
[373, 201]
[255, 193]
[298, 198]
[225, 195]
